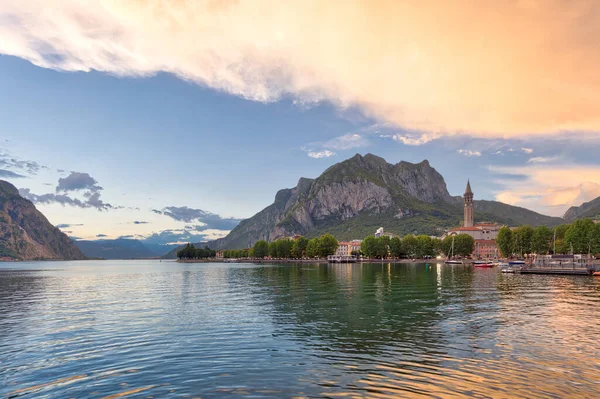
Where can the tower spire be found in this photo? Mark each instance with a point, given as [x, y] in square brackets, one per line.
[468, 189]
[468, 196]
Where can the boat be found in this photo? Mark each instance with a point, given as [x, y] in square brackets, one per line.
[451, 261]
[482, 263]
[596, 274]
[516, 262]
[508, 270]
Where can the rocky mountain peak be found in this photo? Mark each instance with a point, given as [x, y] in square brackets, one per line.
[26, 234]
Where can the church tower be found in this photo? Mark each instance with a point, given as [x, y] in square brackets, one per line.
[468, 222]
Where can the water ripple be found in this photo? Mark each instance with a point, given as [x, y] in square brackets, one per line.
[108, 330]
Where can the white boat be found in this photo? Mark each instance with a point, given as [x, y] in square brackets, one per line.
[451, 261]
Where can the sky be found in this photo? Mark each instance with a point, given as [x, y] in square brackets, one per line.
[171, 121]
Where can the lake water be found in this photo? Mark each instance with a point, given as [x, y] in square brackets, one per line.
[141, 329]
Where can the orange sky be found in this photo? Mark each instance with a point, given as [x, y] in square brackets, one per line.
[483, 68]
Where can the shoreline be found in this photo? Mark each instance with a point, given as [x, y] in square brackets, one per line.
[320, 260]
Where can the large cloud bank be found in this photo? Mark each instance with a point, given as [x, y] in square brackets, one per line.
[485, 68]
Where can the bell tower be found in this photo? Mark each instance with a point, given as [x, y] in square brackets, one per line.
[468, 196]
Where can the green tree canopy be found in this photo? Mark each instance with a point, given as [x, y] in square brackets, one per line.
[299, 247]
[328, 245]
[312, 248]
[260, 249]
[541, 241]
[505, 241]
[580, 235]
[464, 244]
[409, 242]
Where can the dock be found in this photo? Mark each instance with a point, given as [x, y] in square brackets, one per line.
[561, 271]
[566, 265]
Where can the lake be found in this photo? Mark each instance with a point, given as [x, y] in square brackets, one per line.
[141, 329]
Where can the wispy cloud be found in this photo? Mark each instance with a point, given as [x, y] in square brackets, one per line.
[264, 50]
[419, 139]
[469, 153]
[549, 189]
[321, 154]
[346, 142]
[542, 159]
[207, 219]
[10, 174]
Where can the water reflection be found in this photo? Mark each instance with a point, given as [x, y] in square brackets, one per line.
[140, 329]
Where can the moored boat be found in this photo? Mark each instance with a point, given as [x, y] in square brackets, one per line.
[480, 263]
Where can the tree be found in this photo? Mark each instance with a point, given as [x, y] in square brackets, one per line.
[260, 249]
[522, 240]
[505, 241]
[284, 248]
[312, 248]
[187, 252]
[464, 244]
[541, 242]
[396, 247]
[328, 244]
[562, 247]
[596, 239]
[368, 247]
[409, 243]
[424, 246]
[273, 249]
[580, 235]
[299, 247]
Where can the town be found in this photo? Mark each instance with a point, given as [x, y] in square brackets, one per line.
[482, 242]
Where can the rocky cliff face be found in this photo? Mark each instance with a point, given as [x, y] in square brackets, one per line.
[26, 234]
[353, 198]
[358, 186]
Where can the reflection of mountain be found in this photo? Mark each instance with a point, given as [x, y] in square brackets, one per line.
[120, 249]
[355, 309]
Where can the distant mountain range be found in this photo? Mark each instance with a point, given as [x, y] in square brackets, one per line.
[25, 233]
[121, 248]
[353, 198]
[589, 209]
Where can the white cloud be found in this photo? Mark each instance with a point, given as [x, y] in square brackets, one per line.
[415, 140]
[469, 153]
[346, 142]
[527, 150]
[542, 159]
[315, 50]
[320, 154]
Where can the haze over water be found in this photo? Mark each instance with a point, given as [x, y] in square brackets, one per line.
[143, 328]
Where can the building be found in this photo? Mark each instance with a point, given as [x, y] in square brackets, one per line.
[345, 248]
[379, 232]
[485, 249]
[484, 234]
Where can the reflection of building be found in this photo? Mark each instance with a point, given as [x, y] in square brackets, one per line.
[345, 248]
[484, 233]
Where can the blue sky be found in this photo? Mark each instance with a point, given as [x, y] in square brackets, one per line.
[188, 142]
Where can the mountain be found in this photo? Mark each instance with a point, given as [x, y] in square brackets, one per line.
[26, 234]
[589, 209]
[353, 198]
[120, 248]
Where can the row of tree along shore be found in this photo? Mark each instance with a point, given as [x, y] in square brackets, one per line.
[579, 237]
[384, 247]
[582, 236]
